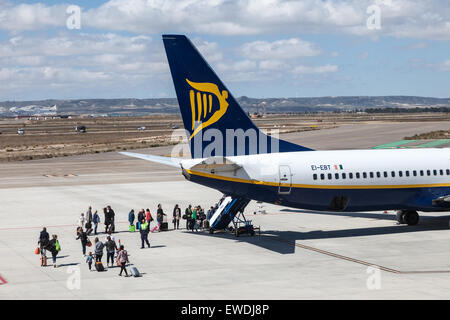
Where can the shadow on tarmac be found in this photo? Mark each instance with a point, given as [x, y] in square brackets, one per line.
[286, 243]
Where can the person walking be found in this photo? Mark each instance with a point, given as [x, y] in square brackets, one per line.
[44, 239]
[81, 235]
[89, 260]
[81, 221]
[98, 250]
[107, 219]
[144, 230]
[131, 217]
[96, 221]
[188, 213]
[122, 258]
[194, 218]
[89, 214]
[54, 248]
[112, 218]
[176, 217]
[110, 250]
[148, 216]
[160, 216]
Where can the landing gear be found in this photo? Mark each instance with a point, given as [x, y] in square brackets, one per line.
[409, 217]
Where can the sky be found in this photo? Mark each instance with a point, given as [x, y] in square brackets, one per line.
[259, 48]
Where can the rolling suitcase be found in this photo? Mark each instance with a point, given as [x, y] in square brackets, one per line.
[99, 266]
[135, 272]
[138, 226]
[164, 226]
[43, 261]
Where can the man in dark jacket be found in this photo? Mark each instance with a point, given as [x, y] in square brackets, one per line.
[188, 214]
[131, 217]
[44, 239]
[111, 217]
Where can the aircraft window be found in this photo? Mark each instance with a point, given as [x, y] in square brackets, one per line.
[407, 173]
[400, 173]
[421, 173]
[393, 174]
[336, 176]
[371, 174]
[315, 176]
[435, 172]
[428, 173]
[343, 175]
[357, 175]
[385, 174]
[441, 172]
[350, 175]
[414, 173]
[322, 176]
[330, 176]
[448, 171]
[365, 175]
[378, 174]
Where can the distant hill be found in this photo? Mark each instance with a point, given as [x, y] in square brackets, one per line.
[138, 107]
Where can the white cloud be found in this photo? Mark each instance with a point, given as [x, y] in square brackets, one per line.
[280, 49]
[315, 70]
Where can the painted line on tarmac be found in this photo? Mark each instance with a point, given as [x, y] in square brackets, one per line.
[338, 256]
[2, 281]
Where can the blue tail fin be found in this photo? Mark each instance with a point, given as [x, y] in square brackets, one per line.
[215, 122]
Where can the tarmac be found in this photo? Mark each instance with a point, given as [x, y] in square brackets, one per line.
[299, 254]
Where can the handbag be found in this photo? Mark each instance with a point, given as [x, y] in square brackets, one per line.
[37, 251]
[88, 242]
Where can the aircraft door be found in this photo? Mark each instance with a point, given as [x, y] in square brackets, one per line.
[285, 182]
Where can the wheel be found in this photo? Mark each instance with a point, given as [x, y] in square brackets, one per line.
[411, 218]
[211, 231]
[401, 216]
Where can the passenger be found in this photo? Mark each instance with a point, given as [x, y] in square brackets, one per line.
[88, 227]
[89, 214]
[210, 213]
[44, 239]
[89, 259]
[110, 251]
[54, 247]
[148, 216]
[81, 220]
[176, 217]
[81, 235]
[188, 214]
[194, 219]
[112, 218]
[160, 216]
[96, 220]
[131, 217]
[144, 230]
[122, 258]
[107, 219]
[141, 216]
[98, 250]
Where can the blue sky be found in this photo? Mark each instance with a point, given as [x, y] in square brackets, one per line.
[260, 48]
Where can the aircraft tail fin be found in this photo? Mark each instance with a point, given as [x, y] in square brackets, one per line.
[216, 124]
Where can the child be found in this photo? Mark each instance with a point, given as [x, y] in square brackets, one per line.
[89, 259]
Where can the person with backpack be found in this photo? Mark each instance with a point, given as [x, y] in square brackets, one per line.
[98, 250]
[122, 258]
[54, 247]
[81, 235]
[176, 217]
[188, 214]
[110, 250]
[96, 221]
[144, 230]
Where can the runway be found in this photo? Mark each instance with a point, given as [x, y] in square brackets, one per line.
[300, 254]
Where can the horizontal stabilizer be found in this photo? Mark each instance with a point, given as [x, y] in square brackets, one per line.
[173, 162]
[216, 165]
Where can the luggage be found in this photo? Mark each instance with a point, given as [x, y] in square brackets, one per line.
[37, 251]
[206, 224]
[135, 272]
[138, 226]
[132, 228]
[164, 226]
[153, 230]
[43, 261]
[99, 266]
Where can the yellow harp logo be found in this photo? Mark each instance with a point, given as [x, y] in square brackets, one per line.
[203, 109]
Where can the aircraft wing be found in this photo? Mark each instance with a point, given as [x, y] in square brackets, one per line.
[173, 162]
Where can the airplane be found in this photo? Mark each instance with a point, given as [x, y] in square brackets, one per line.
[231, 154]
